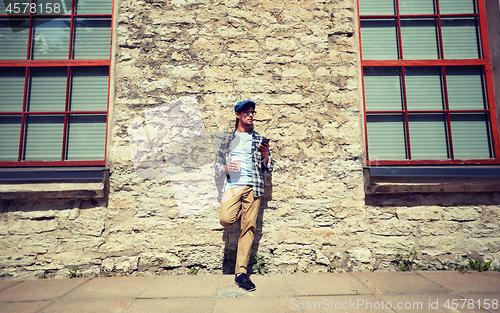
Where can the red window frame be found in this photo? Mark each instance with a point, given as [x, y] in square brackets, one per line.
[68, 64]
[441, 63]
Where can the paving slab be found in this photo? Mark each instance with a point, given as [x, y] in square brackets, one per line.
[232, 292]
[42, 289]
[87, 306]
[25, 306]
[399, 283]
[494, 274]
[439, 303]
[184, 305]
[175, 286]
[4, 284]
[300, 292]
[253, 304]
[111, 287]
[327, 284]
[487, 301]
[352, 303]
[465, 283]
[265, 285]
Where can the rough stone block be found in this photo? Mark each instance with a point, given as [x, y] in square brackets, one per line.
[164, 260]
[493, 245]
[121, 264]
[243, 45]
[181, 3]
[299, 220]
[27, 227]
[183, 71]
[420, 213]
[149, 209]
[17, 260]
[206, 256]
[324, 220]
[362, 255]
[150, 86]
[392, 227]
[280, 44]
[274, 205]
[287, 254]
[481, 230]
[38, 243]
[439, 228]
[395, 243]
[470, 245]
[321, 258]
[496, 260]
[462, 214]
[311, 206]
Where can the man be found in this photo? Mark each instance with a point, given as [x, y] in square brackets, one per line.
[242, 158]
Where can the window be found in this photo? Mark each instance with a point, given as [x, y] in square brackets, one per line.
[54, 82]
[427, 82]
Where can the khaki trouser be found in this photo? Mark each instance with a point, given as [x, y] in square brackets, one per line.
[239, 203]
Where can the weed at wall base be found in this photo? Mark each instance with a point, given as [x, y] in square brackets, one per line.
[478, 265]
[260, 263]
[474, 265]
[75, 273]
[193, 271]
[406, 262]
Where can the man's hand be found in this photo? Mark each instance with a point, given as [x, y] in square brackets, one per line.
[231, 167]
[264, 149]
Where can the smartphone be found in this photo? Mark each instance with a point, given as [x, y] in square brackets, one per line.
[266, 140]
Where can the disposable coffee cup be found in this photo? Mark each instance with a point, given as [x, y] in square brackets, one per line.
[238, 162]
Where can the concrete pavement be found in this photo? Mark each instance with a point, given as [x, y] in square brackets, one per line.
[423, 291]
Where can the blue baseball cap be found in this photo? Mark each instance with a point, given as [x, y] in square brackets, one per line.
[240, 104]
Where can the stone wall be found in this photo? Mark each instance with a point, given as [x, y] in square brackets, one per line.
[299, 62]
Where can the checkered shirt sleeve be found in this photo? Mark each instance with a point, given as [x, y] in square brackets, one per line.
[258, 165]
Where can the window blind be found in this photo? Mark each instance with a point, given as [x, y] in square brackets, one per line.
[424, 89]
[419, 39]
[14, 40]
[10, 128]
[376, 7]
[92, 38]
[93, 7]
[460, 38]
[89, 89]
[43, 138]
[428, 136]
[47, 90]
[379, 39]
[51, 39]
[470, 136]
[386, 137]
[457, 6]
[11, 89]
[413, 7]
[383, 89]
[86, 137]
[465, 88]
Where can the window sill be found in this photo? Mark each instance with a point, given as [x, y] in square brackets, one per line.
[431, 179]
[52, 183]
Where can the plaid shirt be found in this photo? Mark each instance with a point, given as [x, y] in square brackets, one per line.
[223, 157]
